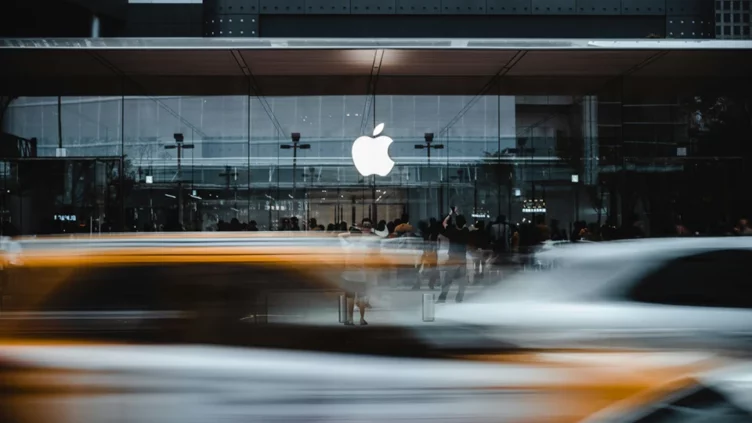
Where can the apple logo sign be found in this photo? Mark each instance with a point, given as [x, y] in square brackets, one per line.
[371, 155]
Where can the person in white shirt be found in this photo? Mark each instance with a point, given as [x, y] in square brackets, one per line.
[357, 277]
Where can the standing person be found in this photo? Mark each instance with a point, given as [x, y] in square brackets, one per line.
[555, 231]
[429, 261]
[479, 239]
[500, 239]
[357, 277]
[742, 228]
[458, 234]
[404, 228]
[390, 229]
[543, 231]
[393, 231]
[381, 229]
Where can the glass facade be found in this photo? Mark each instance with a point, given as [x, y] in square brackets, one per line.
[610, 160]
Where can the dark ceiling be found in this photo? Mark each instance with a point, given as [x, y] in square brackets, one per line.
[275, 67]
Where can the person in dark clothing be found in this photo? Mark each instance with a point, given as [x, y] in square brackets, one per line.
[294, 224]
[555, 231]
[173, 223]
[458, 236]
[10, 230]
[390, 228]
[500, 240]
[252, 226]
[579, 226]
[381, 229]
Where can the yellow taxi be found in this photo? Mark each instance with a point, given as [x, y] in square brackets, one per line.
[204, 328]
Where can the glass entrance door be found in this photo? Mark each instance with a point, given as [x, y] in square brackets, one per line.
[352, 205]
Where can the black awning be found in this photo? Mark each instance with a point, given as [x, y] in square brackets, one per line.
[316, 67]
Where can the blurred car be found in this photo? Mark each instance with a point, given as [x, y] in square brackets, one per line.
[659, 292]
[720, 394]
[192, 328]
[68, 382]
[189, 287]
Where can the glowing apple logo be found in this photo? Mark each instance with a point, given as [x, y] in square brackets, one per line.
[371, 155]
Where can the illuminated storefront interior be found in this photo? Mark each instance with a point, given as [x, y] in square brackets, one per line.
[567, 132]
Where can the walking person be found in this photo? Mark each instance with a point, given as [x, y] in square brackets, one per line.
[456, 268]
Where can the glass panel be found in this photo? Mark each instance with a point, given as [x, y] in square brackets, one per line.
[636, 155]
[205, 167]
[90, 125]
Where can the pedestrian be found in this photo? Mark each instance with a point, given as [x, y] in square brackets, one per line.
[743, 228]
[404, 227]
[381, 229]
[480, 241]
[357, 276]
[500, 238]
[390, 229]
[456, 268]
[430, 259]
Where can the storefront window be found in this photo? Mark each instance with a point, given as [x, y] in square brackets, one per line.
[606, 160]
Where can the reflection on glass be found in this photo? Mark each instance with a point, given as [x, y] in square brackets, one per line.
[500, 152]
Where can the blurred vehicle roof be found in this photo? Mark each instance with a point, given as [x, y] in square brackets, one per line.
[641, 247]
[669, 292]
[302, 248]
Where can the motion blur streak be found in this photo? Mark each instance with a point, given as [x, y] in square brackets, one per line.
[292, 386]
[265, 328]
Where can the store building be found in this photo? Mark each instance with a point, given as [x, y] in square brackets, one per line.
[567, 130]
